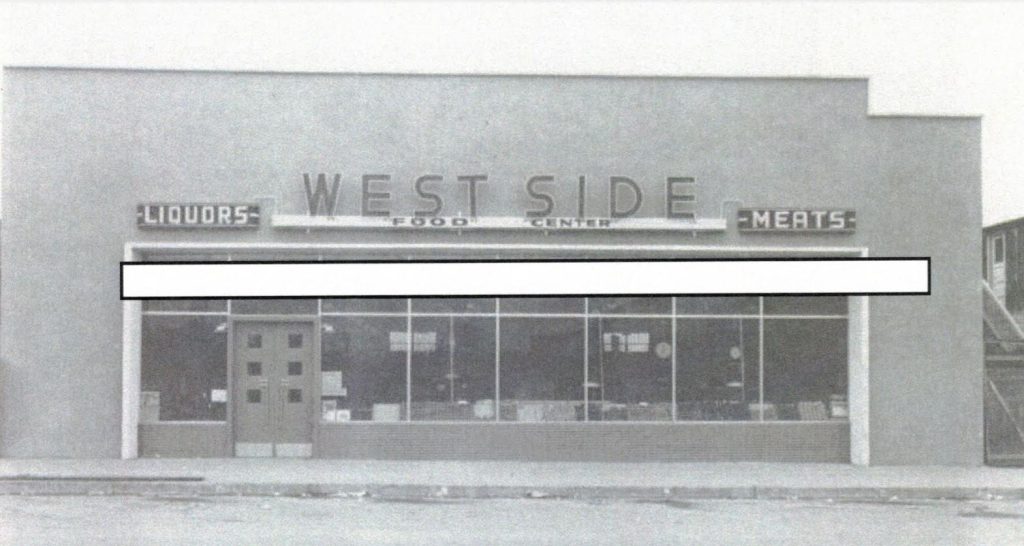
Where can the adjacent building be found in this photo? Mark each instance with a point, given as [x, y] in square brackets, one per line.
[1003, 270]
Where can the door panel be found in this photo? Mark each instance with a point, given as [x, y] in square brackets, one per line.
[293, 373]
[273, 376]
[253, 408]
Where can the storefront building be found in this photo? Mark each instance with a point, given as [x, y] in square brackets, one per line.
[103, 166]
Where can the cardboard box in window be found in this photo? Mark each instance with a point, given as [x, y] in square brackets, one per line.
[530, 412]
[771, 413]
[150, 410]
[840, 407]
[483, 409]
[649, 412]
[812, 411]
[387, 412]
[441, 411]
[536, 411]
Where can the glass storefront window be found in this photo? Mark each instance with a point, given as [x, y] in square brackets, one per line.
[453, 305]
[717, 305]
[546, 372]
[184, 368]
[805, 369]
[631, 306]
[363, 372]
[542, 305]
[717, 370]
[542, 369]
[365, 305]
[806, 305]
[453, 369]
[629, 373]
[274, 307]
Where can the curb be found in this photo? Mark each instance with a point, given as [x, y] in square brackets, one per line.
[457, 492]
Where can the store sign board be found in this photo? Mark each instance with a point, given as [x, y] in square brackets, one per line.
[375, 193]
[198, 215]
[800, 220]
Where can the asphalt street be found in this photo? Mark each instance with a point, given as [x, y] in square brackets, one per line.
[284, 520]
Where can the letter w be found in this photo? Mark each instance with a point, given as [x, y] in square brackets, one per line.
[321, 196]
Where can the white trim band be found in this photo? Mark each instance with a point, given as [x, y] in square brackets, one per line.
[524, 278]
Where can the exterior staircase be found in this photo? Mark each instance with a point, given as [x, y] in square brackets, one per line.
[1000, 321]
[1004, 383]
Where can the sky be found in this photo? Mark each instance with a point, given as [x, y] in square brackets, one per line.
[921, 58]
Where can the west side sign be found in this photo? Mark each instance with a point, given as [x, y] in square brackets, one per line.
[625, 198]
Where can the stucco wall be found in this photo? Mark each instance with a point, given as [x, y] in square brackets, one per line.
[83, 147]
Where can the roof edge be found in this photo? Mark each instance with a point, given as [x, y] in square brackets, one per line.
[609, 75]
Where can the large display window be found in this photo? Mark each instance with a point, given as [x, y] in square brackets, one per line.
[629, 369]
[542, 369]
[452, 369]
[718, 369]
[365, 357]
[525, 359]
[184, 368]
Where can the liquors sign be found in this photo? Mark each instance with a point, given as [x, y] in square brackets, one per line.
[198, 215]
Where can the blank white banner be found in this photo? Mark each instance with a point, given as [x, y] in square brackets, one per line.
[860, 276]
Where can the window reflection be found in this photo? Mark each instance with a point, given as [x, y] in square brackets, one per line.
[363, 374]
[806, 305]
[365, 305]
[718, 364]
[805, 369]
[274, 307]
[453, 305]
[184, 368]
[453, 374]
[631, 306]
[552, 306]
[541, 369]
[715, 305]
[630, 369]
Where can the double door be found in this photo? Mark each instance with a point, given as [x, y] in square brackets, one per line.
[273, 372]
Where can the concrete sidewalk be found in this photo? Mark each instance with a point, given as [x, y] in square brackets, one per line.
[502, 479]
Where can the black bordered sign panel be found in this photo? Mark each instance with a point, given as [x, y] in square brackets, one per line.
[198, 215]
[796, 220]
